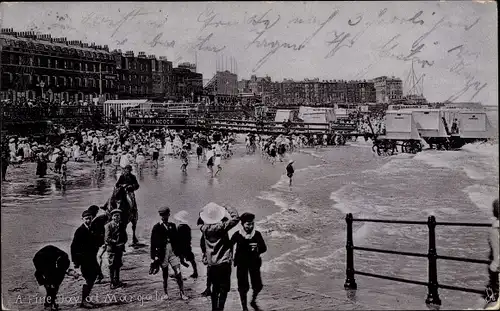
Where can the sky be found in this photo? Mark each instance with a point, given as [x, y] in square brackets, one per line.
[452, 44]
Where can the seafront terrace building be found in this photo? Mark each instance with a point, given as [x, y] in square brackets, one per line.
[58, 69]
[39, 66]
[315, 92]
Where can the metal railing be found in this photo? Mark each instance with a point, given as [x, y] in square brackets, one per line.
[432, 257]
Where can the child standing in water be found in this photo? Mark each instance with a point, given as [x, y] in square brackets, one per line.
[290, 171]
[249, 246]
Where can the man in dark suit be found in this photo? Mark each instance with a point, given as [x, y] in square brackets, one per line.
[51, 264]
[164, 250]
[83, 254]
[97, 229]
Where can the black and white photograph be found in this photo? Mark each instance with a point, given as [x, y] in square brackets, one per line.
[312, 155]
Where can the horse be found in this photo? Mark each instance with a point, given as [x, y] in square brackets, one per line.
[125, 201]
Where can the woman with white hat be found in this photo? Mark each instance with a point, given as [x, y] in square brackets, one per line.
[218, 249]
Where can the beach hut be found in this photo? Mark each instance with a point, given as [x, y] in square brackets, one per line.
[400, 125]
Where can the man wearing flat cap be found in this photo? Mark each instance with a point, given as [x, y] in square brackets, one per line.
[83, 255]
[114, 243]
[164, 250]
[218, 249]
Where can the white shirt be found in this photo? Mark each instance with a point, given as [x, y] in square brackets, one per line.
[218, 149]
[124, 160]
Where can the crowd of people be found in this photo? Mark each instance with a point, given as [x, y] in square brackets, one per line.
[170, 248]
[117, 147]
[102, 229]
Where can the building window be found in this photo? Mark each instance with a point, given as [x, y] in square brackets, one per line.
[56, 63]
[65, 64]
[32, 61]
[54, 80]
[49, 63]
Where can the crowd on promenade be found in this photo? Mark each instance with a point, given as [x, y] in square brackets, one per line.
[41, 103]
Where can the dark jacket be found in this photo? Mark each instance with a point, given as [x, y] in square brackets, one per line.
[83, 247]
[160, 235]
[98, 230]
[243, 254]
[289, 170]
[128, 180]
[51, 264]
[218, 247]
[184, 239]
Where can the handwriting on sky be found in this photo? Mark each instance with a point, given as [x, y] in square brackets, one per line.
[268, 34]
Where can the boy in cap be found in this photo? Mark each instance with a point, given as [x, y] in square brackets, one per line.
[83, 254]
[51, 264]
[249, 246]
[115, 246]
[164, 250]
[218, 249]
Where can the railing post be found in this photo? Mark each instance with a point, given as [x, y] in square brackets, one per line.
[432, 292]
[350, 282]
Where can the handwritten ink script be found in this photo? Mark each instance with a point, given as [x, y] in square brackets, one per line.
[209, 18]
[459, 67]
[157, 40]
[275, 45]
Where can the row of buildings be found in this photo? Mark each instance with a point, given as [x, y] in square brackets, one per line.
[313, 91]
[39, 66]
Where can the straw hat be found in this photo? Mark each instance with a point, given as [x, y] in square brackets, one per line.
[212, 213]
[291, 161]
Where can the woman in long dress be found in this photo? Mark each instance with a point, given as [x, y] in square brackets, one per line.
[76, 152]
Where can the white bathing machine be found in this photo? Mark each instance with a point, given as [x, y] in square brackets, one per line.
[400, 125]
[472, 124]
[400, 130]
